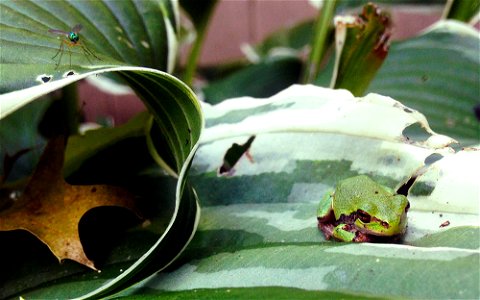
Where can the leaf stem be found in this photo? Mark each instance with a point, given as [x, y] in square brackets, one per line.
[461, 10]
[200, 13]
[194, 56]
[319, 46]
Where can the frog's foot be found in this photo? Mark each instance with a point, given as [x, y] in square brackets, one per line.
[344, 232]
[349, 233]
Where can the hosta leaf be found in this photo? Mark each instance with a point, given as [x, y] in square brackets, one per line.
[178, 115]
[259, 227]
[437, 73]
[245, 293]
[123, 35]
[349, 269]
[273, 75]
[118, 32]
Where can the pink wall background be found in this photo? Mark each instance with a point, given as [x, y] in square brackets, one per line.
[236, 22]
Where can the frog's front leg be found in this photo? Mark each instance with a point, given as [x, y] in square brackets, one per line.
[349, 233]
[341, 232]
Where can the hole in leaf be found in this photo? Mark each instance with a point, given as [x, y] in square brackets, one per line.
[404, 188]
[415, 133]
[432, 158]
[233, 155]
[44, 78]
[69, 73]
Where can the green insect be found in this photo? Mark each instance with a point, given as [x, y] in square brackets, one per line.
[72, 39]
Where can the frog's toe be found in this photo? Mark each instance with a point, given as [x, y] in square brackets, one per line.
[344, 232]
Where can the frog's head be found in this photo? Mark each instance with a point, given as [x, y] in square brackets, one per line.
[384, 218]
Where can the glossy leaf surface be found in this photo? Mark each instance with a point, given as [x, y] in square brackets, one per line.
[124, 36]
[259, 230]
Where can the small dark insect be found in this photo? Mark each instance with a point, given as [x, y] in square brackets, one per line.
[71, 39]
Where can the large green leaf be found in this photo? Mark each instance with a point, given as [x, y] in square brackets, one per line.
[123, 35]
[259, 230]
[437, 73]
[272, 75]
[118, 32]
[179, 118]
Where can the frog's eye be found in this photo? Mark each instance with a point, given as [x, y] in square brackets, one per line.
[363, 216]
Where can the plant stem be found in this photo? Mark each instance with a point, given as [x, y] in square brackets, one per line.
[461, 10]
[194, 55]
[319, 40]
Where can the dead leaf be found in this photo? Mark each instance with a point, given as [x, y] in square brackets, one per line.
[51, 209]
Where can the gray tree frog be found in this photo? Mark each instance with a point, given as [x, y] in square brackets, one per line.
[361, 210]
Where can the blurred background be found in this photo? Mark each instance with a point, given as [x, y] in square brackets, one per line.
[237, 23]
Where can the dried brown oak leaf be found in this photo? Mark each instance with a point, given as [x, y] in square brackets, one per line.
[51, 209]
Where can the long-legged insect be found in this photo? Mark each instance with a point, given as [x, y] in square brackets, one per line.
[72, 39]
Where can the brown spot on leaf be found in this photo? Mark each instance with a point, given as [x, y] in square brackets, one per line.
[445, 224]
